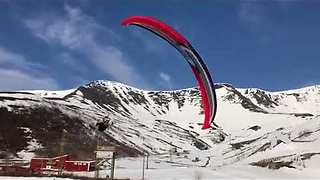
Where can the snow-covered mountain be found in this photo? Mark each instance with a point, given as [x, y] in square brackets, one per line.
[255, 127]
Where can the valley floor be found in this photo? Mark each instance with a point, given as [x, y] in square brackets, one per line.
[166, 171]
[182, 173]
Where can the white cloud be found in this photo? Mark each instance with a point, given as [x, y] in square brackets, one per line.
[73, 31]
[7, 56]
[166, 79]
[73, 63]
[15, 60]
[111, 61]
[18, 73]
[79, 32]
[19, 80]
[254, 16]
[250, 14]
[150, 42]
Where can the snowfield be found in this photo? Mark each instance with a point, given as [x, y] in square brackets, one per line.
[33, 178]
[261, 134]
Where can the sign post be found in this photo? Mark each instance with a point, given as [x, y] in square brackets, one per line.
[104, 154]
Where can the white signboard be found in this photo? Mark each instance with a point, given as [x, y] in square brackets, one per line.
[104, 154]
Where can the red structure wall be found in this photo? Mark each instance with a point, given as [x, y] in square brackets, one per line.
[48, 163]
[61, 162]
[15, 170]
[79, 165]
[43, 165]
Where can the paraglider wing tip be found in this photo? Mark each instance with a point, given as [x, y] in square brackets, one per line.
[156, 25]
[205, 126]
[126, 21]
[132, 20]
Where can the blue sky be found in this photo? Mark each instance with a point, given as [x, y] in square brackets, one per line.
[54, 44]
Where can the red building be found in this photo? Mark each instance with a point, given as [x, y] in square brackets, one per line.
[79, 165]
[11, 170]
[60, 163]
[55, 163]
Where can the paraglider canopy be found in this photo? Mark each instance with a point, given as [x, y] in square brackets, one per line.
[197, 65]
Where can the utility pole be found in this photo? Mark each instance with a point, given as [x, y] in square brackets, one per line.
[143, 167]
[62, 144]
[113, 165]
[63, 141]
[148, 161]
[96, 172]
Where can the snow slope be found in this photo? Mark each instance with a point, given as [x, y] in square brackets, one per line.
[257, 128]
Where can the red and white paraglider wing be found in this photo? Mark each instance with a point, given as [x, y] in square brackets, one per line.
[190, 54]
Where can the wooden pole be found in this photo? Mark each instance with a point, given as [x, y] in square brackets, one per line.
[96, 172]
[113, 165]
[143, 167]
[147, 161]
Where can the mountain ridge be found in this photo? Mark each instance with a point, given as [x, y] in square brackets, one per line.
[150, 122]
